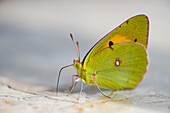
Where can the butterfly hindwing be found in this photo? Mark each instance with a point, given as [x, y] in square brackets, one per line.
[120, 66]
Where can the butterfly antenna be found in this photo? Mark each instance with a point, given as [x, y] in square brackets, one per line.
[75, 45]
[78, 50]
[59, 76]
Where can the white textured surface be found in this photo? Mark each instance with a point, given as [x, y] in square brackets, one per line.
[27, 98]
[35, 44]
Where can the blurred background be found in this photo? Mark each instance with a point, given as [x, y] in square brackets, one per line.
[35, 42]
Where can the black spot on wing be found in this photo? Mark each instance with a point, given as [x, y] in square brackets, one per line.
[135, 40]
[127, 21]
[110, 43]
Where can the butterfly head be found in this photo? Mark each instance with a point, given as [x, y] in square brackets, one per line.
[77, 65]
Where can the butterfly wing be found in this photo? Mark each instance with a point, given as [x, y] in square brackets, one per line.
[134, 29]
[120, 66]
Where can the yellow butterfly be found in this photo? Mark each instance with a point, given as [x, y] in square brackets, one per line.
[118, 61]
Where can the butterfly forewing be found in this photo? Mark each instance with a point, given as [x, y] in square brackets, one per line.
[134, 29]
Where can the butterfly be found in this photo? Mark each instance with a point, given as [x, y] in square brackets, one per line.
[118, 61]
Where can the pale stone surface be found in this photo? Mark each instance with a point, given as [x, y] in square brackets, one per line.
[35, 44]
[16, 97]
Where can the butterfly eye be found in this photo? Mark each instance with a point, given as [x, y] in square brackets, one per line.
[135, 40]
[110, 43]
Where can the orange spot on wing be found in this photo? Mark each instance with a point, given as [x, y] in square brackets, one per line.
[115, 39]
[119, 38]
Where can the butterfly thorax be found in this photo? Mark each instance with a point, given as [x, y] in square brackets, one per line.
[82, 73]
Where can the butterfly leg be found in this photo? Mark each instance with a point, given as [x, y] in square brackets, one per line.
[73, 86]
[80, 89]
[100, 90]
[73, 80]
